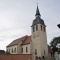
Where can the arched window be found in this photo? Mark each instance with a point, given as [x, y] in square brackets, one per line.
[41, 27]
[22, 50]
[9, 50]
[26, 49]
[35, 51]
[36, 27]
[33, 29]
[44, 29]
[14, 50]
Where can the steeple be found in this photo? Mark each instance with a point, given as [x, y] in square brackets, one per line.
[38, 19]
[37, 12]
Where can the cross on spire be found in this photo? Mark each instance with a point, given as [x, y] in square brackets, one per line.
[37, 4]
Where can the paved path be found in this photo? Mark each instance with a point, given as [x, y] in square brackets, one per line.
[49, 58]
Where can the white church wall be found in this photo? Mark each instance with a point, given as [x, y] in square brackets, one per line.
[9, 49]
[39, 40]
[28, 49]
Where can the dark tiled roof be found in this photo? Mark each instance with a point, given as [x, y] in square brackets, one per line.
[25, 40]
[38, 20]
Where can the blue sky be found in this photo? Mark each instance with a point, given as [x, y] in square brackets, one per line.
[16, 18]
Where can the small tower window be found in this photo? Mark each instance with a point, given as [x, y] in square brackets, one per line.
[41, 27]
[36, 27]
[44, 29]
[33, 29]
[26, 49]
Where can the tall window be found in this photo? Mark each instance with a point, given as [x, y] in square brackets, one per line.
[22, 50]
[12, 50]
[15, 50]
[44, 52]
[9, 50]
[26, 49]
[35, 51]
[41, 27]
[36, 27]
[33, 29]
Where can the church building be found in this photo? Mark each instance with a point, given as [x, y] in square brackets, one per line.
[36, 44]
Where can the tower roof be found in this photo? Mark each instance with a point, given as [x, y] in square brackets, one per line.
[38, 19]
[37, 12]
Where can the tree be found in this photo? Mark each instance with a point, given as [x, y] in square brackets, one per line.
[55, 41]
[53, 44]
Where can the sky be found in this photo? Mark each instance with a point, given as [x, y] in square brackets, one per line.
[16, 18]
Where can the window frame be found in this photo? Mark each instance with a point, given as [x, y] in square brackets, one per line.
[36, 27]
[15, 50]
[44, 29]
[22, 50]
[26, 49]
[41, 27]
[33, 29]
[35, 51]
[9, 51]
[12, 50]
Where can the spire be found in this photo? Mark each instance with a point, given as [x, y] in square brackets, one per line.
[37, 12]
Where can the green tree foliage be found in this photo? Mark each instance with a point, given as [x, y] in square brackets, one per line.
[53, 44]
[55, 41]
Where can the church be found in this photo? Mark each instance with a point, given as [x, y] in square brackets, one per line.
[36, 44]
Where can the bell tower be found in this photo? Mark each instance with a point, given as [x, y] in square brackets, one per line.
[39, 38]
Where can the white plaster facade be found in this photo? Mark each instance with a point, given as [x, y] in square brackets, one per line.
[9, 49]
[19, 48]
[28, 49]
[39, 41]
